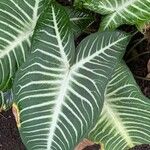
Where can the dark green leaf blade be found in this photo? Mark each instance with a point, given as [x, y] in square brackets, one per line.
[125, 119]
[59, 93]
[79, 20]
[17, 21]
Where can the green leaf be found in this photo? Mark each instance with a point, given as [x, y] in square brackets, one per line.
[119, 12]
[59, 92]
[6, 99]
[79, 20]
[125, 119]
[17, 21]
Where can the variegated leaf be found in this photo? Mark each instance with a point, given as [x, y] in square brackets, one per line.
[119, 12]
[79, 20]
[17, 21]
[125, 119]
[58, 91]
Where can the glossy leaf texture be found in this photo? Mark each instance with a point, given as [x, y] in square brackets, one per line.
[118, 12]
[79, 20]
[125, 119]
[17, 21]
[58, 91]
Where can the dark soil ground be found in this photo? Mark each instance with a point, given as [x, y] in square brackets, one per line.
[9, 135]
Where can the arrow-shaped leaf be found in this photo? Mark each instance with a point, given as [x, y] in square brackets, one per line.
[125, 119]
[59, 92]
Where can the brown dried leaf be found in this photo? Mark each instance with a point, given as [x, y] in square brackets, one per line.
[84, 144]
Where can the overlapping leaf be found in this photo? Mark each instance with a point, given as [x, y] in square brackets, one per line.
[125, 119]
[79, 20]
[17, 21]
[59, 92]
[119, 11]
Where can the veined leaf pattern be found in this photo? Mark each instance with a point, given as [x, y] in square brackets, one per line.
[119, 12]
[79, 20]
[125, 119]
[59, 91]
[17, 21]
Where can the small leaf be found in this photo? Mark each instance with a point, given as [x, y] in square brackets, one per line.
[125, 119]
[79, 20]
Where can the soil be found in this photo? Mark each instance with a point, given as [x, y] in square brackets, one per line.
[9, 135]
[141, 147]
[92, 147]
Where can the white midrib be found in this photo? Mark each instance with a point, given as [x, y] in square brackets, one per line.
[79, 18]
[23, 36]
[125, 5]
[119, 9]
[35, 14]
[89, 58]
[110, 20]
[121, 6]
[117, 123]
[57, 109]
[63, 89]
[61, 47]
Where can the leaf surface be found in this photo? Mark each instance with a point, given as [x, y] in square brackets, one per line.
[17, 22]
[59, 91]
[118, 12]
[125, 119]
[79, 20]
